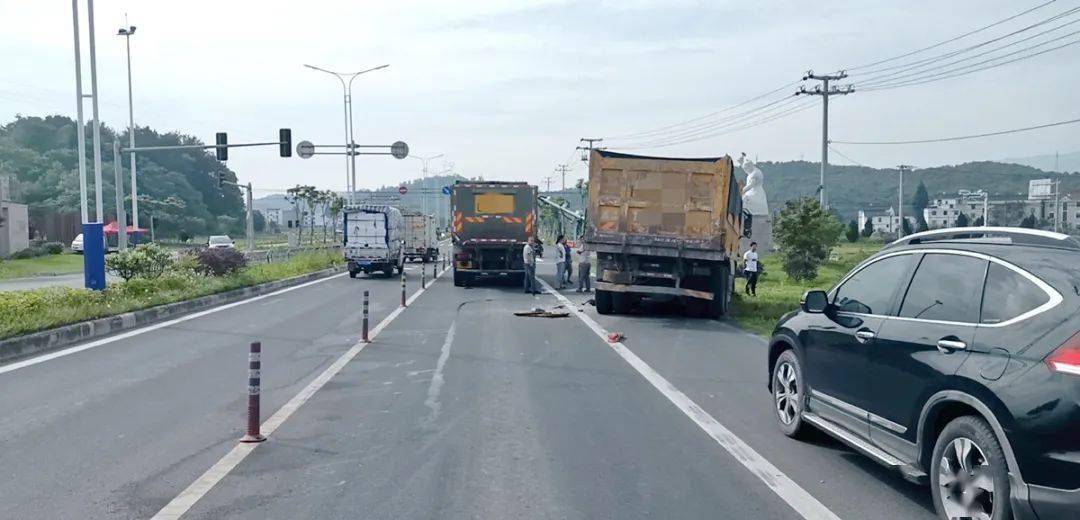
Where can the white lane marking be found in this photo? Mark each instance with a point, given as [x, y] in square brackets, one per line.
[795, 496]
[149, 328]
[202, 485]
[437, 379]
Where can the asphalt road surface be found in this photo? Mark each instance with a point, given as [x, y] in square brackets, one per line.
[457, 409]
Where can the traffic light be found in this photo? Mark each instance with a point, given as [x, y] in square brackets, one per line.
[220, 177]
[285, 142]
[222, 149]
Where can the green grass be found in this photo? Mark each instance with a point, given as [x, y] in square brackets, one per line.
[41, 266]
[23, 312]
[777, 294]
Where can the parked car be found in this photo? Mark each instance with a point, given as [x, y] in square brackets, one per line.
[952, 356]
[220, 242]
[77, 244]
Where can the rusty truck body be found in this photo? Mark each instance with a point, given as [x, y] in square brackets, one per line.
[663, 228]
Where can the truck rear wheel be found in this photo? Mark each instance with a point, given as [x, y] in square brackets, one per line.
[603, 302]
[388, 271]
[722, 285]
[459, 279]
[620, 302]
[352, 274]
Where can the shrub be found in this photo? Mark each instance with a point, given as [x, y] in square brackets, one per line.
[22, 254]
[220, 262]
[53, 248]
[144, 261]
[805, 234]
[852, 233]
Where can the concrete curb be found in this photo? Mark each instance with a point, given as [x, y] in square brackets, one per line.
[19, 347]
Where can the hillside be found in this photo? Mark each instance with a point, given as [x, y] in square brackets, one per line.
[852, 188]
[1066, 162]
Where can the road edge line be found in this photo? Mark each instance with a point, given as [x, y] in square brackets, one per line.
[187, 498]
[790, 492]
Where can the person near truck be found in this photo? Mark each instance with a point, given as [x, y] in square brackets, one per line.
[529, 255]
[560, 261]
[752, 269]
[584, 284]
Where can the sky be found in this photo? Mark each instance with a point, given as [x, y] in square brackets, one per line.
[504, 89]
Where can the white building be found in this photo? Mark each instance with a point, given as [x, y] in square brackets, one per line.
[942, 213]
[273, 215]
[886, 222]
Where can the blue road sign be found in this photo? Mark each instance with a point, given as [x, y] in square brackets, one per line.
[446, 190]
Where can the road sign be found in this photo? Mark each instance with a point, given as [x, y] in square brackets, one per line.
[1040, 189]
[305, 149]
[403, 189]
[399, 150]
[446, 190]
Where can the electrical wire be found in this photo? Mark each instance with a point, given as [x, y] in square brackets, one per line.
[790, 111]
[841, 154]
[762, 110]
[953, 39]
[960, 138]
[662, 129]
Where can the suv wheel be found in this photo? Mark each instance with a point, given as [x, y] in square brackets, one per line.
[969, 477]
[789, 393]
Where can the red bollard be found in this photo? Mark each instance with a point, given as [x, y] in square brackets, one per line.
[254, 376]
[366, 340]
[402, 287]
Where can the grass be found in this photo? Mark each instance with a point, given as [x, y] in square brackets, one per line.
[41, 266]
[23, 312]
[777, 294]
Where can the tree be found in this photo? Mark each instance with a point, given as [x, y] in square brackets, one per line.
[805, 234]
[852, 231]
[258, 221]
[905, 224]
[1029, 222]
[868, 229]
[921, 224]
[921, 199]
[962, 220]
[337, 205]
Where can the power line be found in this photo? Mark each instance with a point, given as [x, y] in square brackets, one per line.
[841, 154]
[962, 137]
[950, 40]
[749, 115]
[750, 124]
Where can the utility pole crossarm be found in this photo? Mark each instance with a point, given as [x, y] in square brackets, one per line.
[824, 90]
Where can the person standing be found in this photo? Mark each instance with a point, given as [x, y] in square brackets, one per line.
[529, 255]
[560, 262]
[569, 263]
[752, 269]
[584, 284]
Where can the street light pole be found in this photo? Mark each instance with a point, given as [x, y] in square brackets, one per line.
[99, 203]
[423, 181]
[83, 204]
[127, 33]
[350, 152]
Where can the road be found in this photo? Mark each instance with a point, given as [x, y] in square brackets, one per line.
[457, 409]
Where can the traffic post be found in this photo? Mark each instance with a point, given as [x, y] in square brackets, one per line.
[434, 272]
[403, 287]
[365, 326]
[254, 376]
[423, 277]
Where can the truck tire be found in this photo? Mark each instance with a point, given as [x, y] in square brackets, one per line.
[352, 274]
[620, 303]
[388, 271]
[459, 279]
[603, 302]
[722, 284]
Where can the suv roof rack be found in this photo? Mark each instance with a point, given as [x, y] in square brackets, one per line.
[991, 235]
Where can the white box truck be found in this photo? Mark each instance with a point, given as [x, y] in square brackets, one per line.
[420, 239]
[373, 239]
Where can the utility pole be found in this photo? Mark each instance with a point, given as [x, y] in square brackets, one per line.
[250, 228]
[118, 181]
[562, 169]
[127, 33]
[547, 181]
[824, 90]
[1057, 205]
[590, 145]
[900, 206]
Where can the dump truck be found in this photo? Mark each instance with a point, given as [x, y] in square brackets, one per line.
[492, 221]
[663, 228]
[373, 237]
[420, 239]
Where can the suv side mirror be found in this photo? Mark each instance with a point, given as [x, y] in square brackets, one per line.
[815, 302]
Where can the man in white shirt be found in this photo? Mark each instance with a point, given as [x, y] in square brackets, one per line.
[751, 267]
[529, 255]
[560, 262]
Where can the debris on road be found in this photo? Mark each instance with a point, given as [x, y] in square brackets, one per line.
[538, 312]
[615, 337]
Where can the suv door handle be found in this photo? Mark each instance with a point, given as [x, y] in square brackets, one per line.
[946, 346]
[864, 336]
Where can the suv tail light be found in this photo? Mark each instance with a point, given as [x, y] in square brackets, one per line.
[464, 255]
[1066, 359]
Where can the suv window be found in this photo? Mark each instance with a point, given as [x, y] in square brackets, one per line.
[946, 288]
[870, 290]
[1009, 294]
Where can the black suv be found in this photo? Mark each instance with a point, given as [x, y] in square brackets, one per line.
[952, 356]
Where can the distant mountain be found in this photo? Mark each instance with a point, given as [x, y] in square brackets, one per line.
[1066, 162]
[851, 188]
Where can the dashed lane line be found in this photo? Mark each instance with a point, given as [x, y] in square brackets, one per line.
[187, 498]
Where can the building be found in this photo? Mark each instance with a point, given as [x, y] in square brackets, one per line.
[273, 215]
[885, 223]
[14, 221]
[942, 213]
